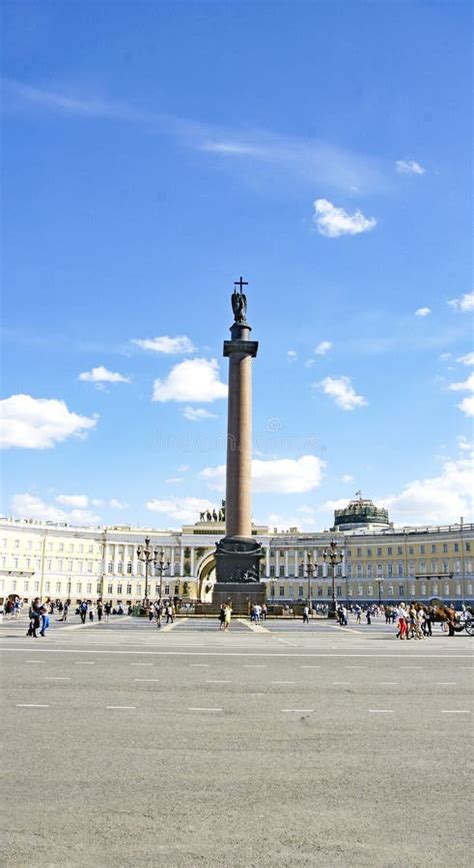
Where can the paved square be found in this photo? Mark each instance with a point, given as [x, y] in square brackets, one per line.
[287, 745]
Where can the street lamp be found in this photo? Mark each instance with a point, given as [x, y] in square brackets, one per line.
[162, 566]
[334, 556]
[148, 555]
[380, 584]
[310, 570]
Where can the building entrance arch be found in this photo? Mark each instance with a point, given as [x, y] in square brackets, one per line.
[206, 574]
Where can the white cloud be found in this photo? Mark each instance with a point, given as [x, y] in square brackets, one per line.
[467, 359]
[463, 304]
[467, 405]
[334, 222]
[282, 475]
[465, 386]
[347, 478]
[423, 311]
[180, 345]
[114, 503]
[343, 392]
[197, 414]
[409, 167]
[304, 519]
[464, 444]
[102, 375]
[292, 355]
[39, 423]
[195, 380]
[441, 499]
[183, 468]
[78, 500]
[232, 148]
[174, 480]
[183, 509]
[322, 348]
[30, 506]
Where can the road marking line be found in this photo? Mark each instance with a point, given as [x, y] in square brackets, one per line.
[341, 682]
[251, 654]
[155, 680]
[257, 694]
[204, 709]
[255, 665]
[120, 707]
[215, 681]
[355, 667]
[282, 682]
[454, 711]
[446, 683]
[30, 705]
[310, 667]
[201, 665]
[380, 711]
[299, 710]
[34, 661]
[56, 678]
[85, 663]
[388, 683]
[141, 664]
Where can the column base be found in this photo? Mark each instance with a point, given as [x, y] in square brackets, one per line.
[240, 596]
[238, 559]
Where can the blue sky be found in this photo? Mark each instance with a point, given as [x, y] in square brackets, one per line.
[153, 153]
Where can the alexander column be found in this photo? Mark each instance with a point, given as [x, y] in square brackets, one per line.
[238, 554]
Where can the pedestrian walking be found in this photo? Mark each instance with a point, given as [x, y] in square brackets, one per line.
[83, 611]
[222, 617]
[227, 616]
[35, 617]
[44, 621]
[305, 614]
[100, 610]
[169, 614]
[91, 613]
[107, 611]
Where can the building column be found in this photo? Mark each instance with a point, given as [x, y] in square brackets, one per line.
[267, 561]
[172, 561]
[106, 559]
[277, 563]
[181, 561]
[134, 561]
[191, 574]
[287, 563]
[115, 559]
[297, 571]
[305, 562]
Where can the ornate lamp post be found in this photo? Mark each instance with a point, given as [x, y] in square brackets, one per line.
[162, 566]
[335, 557]
[148, 555]
[310, 570]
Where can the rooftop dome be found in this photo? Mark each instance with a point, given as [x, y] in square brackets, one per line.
[360, 513]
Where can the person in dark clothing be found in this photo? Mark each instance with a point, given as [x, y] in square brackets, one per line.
[35, 617]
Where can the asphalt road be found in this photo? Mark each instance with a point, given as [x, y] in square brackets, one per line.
[123, 745]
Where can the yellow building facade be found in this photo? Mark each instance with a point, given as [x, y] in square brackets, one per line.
[376, 561]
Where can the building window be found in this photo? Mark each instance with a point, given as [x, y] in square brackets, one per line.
[379, 570]
[110, 567]
[81, 548]
[458, 590]
[89, 566]
[445, 567]
[157, 590]
[282, 591]
[300, 591]
[290, 591]
[17, 543]
[60, 565]
[282, 570]
[47, 587]
[400, 590]
[445, 547]
[129, 589]
[458, 567]
[272, 570]
[399, 550]
[58, 587]
[49, 565]
[390, 570]
[167, 590]
[446, 590]
[329, 592]
[129, 568]
[79, 587]
[359, 552]
[120, 567]
[369, 553]
[80, 566]
[71, 547]
[411, 568]
[389, 550]
[433, 548]
[423, 588]
[422, 566]
[359, 571]
[349, 571]
[69, 566]
[119, 588]
[26, 586]
[15, 563]
[370, 590]
[379, 552]
[110, 589]
[468, 546]
[27, 563]
[301, 570]
[369, 571]
[37, 586]
[411, 550]
[90, 549]
[390, 590]
[99, 589]
[412, 590]
[61, 547]
[360, 590]
[338, 591]
[456, 547]
[400, 569]
[349, 591]
[469, 567]
[469, 588]
[14, 585]
[176, 589]
[422, 550]
[434, 588]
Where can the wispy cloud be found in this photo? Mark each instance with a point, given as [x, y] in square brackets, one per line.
[423, 311]
[409, 167]
[180, 344]
[309, 160]
[342, 391]
[463, 304]
[322, 348]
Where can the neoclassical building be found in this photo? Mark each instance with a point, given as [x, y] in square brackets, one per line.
[379, 561]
